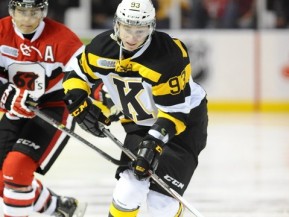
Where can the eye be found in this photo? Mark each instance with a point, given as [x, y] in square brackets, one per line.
[20, 11]
[34, 12]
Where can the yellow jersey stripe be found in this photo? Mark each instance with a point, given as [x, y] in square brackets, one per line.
[185, 54]
[74, 83]
[180, 126]
[146, 72]
[86, 67]
[174, 85]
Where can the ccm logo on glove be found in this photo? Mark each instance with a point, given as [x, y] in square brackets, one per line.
[79, 109]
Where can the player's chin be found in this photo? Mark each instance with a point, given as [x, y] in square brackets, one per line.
[26, 29]
[130, 47]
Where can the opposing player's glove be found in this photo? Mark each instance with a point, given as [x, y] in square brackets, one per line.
[86, 114]
[14, 100]
[148, 155]
[100, 93]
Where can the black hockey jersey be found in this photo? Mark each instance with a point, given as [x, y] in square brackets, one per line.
[152, 84]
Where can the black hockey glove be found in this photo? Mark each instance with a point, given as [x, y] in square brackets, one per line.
[85, 113]
[14, 99]
[148, 155]
[99, 93]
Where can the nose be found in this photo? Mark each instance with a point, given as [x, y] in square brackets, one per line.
[26, 18]
[131, 37]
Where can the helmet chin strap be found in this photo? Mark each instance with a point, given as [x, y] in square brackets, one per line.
[140, 49]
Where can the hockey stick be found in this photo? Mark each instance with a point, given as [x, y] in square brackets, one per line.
[154, 176]
[106, 132]
[70, 133]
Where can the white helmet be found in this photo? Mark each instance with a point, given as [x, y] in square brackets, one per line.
[136, 13]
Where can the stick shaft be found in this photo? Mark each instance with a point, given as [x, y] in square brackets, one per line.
[70, 133]
[154, 176]
[157, 179]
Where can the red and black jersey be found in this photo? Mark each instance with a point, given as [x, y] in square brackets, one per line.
[36, 64]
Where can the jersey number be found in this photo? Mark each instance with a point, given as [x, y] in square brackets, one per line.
[177, 84]
[29, 76]
[25, 80]
[135, 5]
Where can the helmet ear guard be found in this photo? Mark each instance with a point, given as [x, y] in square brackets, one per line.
[38, 4]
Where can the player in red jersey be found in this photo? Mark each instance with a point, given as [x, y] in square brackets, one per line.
[34, 53]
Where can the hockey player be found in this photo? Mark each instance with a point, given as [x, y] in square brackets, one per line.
[147, 74]
[34, 52]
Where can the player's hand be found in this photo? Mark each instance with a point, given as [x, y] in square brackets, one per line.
[147, 158]
[14, 99]
[85, 113]
[100, 93]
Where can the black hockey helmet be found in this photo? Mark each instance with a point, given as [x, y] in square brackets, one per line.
[41, 4]
[29, 3]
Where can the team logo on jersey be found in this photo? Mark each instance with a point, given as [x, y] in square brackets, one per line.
[130, 91]
[30, 76]
[123, 65]
[27, 50]
[10, 51]
[106, 63]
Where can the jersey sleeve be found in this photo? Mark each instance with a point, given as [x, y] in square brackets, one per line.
[66, 42]
[81, 76]
[72, 81]
[172, 94]
[71, 48]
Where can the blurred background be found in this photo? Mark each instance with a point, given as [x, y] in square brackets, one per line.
[239, 48]
[240, 53]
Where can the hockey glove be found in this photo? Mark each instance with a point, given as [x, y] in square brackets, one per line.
[14, 100]
[99, 93]
[85, 113]
[147, 157]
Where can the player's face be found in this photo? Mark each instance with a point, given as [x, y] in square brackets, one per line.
[133, 36]
[27, 19]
